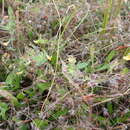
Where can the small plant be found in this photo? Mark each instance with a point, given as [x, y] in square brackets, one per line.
[3, 109]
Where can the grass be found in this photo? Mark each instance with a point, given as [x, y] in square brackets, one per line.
[62, 65]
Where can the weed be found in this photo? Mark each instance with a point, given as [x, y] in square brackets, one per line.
[64, 64]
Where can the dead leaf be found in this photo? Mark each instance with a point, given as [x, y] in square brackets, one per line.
[127, 57]
[89, 98]
[5, 44]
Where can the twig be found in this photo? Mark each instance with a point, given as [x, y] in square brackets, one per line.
[59, 39]
[3, 10]
[127, 92]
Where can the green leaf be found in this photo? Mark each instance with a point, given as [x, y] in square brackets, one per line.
[30, 92]
[21, 96]
[9, 97]
[39, 59]
[11, 13]
[99, 99]
[82, 65]
[89, 69]
[11, 26]
[127, 51]
[3, 109]
[110, 107]
[62, 91]
[125, 71]
[23, 127]
[102, 120]
[43, 86]
[70, 128]
[30, 35]
[103, 67]
[110, 56]
[53, 59]
[13, 80]
[41, 124]
[57, 114]
[41, 41]
[125, 117]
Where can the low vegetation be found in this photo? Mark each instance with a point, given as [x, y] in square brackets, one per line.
[65, 64]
